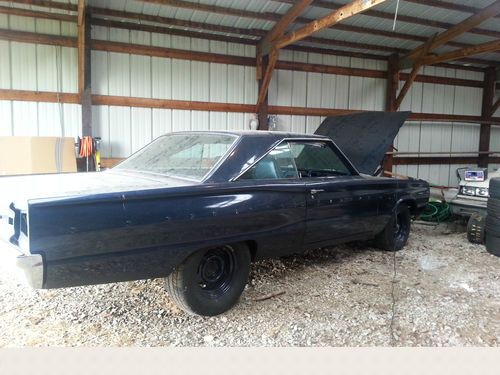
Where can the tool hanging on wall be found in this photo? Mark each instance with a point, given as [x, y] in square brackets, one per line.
[86, 149]
[97, 153]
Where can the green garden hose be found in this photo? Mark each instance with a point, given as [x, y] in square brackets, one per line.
[436, 211]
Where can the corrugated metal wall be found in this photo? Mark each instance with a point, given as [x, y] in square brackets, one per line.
[25, 66]
[435, 136]
[124, 130]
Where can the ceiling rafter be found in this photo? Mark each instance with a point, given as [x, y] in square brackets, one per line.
[457, 30]
[464, 52]
[276, 17]
[448, 6]
[401, 17]
[246, 33]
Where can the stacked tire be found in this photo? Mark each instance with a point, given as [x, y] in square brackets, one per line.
[493, 218]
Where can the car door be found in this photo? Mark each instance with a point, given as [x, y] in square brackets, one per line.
[341, 204]
[277, 203]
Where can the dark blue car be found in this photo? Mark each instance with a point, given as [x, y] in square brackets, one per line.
[197, 208]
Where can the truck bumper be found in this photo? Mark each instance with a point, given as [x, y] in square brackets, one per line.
[30, 265]
[467, 207]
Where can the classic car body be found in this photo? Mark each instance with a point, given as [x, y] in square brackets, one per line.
[128, 223]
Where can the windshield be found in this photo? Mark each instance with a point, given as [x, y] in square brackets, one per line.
[187, 155]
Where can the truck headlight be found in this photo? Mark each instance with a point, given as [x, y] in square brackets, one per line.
[482, 192]
[468, 190]
[474, 191]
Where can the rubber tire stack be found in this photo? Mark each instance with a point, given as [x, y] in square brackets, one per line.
[493, 218]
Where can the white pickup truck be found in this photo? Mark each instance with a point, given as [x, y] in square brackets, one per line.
[472, 198]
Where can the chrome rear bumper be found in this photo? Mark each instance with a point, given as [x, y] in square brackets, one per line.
[31, 265]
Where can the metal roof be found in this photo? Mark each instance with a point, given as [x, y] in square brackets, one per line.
[405, 35]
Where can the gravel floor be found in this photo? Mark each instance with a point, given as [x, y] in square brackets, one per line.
[447, 293]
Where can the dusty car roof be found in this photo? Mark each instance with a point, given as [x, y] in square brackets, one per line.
[256, 133]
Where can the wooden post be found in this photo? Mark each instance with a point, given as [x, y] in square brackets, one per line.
[262, 110]
[84, 68]
[486, 114]
[390, 100]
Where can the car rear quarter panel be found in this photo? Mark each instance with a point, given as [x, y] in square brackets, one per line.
[146, 234]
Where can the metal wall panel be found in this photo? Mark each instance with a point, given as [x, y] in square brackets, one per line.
[436, 136]
[26, 66]
[124, 130]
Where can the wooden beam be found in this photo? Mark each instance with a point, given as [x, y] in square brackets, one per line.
[279, 28]
[495, 106]
[486, 113]
[464, 52]
[458, 29]
[36, 38]
[266, 80]
[39, 96]
[248, 40]
[401, 17]
[138, 49]
[36, 14]
[414, 71]
[263, 109]
[348, 10]
[442, 160]
[84, 25]
[46, 4]
[126, 101]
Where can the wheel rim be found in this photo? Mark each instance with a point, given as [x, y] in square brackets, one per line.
[216, 271]
[401, 229]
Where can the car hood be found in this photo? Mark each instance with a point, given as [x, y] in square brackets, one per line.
[364, 137]
[21, 189]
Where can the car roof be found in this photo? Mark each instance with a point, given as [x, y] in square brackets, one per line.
[256, 133]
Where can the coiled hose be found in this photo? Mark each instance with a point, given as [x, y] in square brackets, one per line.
[436, 212]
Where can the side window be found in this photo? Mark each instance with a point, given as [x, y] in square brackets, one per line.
[275, 165]
[317, 159]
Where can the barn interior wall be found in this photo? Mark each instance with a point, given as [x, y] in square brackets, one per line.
[124, 129]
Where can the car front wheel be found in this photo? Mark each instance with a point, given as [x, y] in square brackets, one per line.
[210, 282]
[396, 233]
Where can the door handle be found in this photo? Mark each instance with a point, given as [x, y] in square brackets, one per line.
[316, 191]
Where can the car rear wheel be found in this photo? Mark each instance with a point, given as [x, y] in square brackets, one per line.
[210, 282]
[396, 233]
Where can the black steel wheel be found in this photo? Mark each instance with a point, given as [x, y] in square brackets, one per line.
[396, 233]
[475, 228]
[210, 282]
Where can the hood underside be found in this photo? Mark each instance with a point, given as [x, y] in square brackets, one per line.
[364, 137]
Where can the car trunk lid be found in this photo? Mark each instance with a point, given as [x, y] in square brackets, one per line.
[364, 137]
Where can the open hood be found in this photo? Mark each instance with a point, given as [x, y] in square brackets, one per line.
[364, 137]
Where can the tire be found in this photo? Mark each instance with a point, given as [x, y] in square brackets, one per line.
[396, 233]
[475, 228]
[493, 244]
[493, 225]
[493, 207]
[494, 188]
[210, 281]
